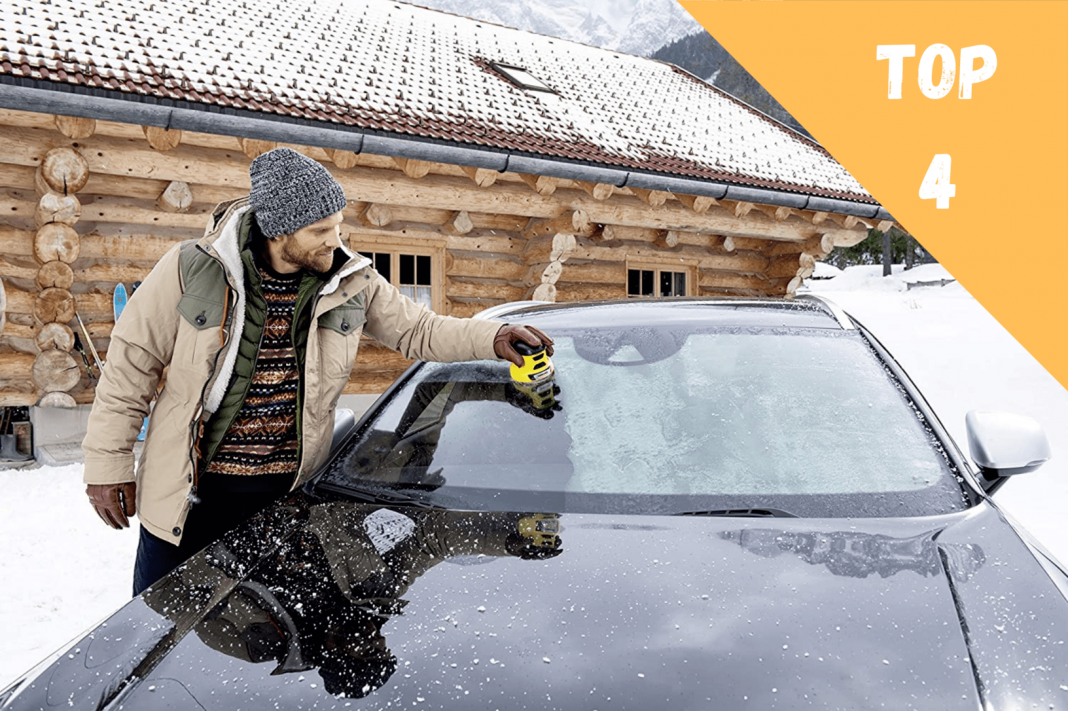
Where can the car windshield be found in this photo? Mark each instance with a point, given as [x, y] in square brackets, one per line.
[667, 418]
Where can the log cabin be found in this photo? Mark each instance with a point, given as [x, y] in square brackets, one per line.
[482, 164]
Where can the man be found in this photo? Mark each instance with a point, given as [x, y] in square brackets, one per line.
[257, 324]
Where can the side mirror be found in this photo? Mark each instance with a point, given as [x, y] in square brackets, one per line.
[344, 420]
[1003, 444]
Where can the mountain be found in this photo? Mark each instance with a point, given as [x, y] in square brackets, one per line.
[623, 25]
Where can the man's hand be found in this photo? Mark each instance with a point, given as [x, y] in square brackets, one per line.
[114, 503]
[510, 333]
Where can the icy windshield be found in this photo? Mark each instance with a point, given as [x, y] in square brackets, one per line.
[663, 420]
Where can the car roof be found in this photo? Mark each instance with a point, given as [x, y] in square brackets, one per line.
[801, 312]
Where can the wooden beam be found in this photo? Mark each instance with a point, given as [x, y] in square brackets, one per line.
[144, 248]
[599, 191]
[57, 336]
[482, 177]
[725, 280]
[667, 239]
[485, 267]
[254, 148]
[54, 275]
[414, 169]
[163, 139]
[376, 215]
[176, 197]
[550, 248]
[460, 224]
[576, 222]
[653, 198]
[64, 170]
[109, 211]
[776, 212]
[342, 159]
[817, 218]
[488, 289]
[697, 203]
[74, 127]
[609, 233]
[847, 238]
[53, 207]
[54, 305]
[884, 225]
[732, 244]
[211, 167]
[541, 184]
[738, 208]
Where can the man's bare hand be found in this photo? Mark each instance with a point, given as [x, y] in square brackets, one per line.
[510, 333]
[114, 503]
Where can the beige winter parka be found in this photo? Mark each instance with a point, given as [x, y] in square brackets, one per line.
[166, 325]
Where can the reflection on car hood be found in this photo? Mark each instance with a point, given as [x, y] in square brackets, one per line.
[401, 607]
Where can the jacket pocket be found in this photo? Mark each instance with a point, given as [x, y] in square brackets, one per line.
[345, 319]
[205, 316]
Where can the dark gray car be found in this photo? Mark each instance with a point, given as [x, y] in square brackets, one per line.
[714, 504]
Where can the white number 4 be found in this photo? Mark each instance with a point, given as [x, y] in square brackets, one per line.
[936, 185]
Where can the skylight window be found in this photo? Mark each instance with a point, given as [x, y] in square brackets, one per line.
[521, 77]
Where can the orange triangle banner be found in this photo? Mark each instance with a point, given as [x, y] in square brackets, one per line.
[953, 115]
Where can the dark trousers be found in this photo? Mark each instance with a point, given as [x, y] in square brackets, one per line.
[226, 502]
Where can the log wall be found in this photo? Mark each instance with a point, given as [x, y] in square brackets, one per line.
[85, 205]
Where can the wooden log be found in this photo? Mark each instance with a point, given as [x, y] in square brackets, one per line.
[884, 225]
[92, 306]
[599, 191]
[56, 208]
[55, 371]
[595, 272]
[732, 244]
[16, 242]
[483, 289]
[253, 148]
[480, 267]
[610, 233]
[56, 241]
[57, 399]
[725, 280]
[163, 139]
[544, 292]
[3, 307]
[573, 222]
[376, 215]
[785, 266]
[108, 211]
[654, 198]
[494, 244]
[794, 285]
[342, 159]
[57, 336]
[776, 212]
[14, 270]
[847, 238]
[557, 247]
[113, 273]
[482, 177]
[75, 127]
[817, 217]
[135, 247]
[544, 273]
[697, 203]
[54, 305]
[541, 184]
[54, 275]
[176, 197]
[65, 170]
[738, 208]
[589, 292]
[40, 185]
[667, 239]
[19, 331]
[414, 169]
[460, 224]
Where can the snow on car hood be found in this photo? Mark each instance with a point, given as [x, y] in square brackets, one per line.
[458, 610]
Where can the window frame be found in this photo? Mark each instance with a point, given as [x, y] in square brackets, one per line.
[687, 267]
[366, 244]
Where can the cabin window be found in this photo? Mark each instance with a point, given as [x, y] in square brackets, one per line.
[521, 77]
[413, 272]
[653, 281]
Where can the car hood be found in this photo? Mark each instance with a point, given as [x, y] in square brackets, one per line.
[343, 605]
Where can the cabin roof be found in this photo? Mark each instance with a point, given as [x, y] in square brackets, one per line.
[398, 69]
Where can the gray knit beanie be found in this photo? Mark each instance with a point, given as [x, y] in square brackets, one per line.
[291, 191]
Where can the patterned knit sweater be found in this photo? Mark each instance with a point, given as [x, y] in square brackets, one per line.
[263, 437]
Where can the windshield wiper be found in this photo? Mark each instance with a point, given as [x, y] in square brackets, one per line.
[376, 495]
[741, 513]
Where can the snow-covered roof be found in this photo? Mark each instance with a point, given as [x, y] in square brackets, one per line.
[393, 67]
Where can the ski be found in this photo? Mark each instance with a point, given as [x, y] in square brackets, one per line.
[118, 305]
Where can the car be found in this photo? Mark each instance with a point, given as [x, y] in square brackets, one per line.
[712, 503]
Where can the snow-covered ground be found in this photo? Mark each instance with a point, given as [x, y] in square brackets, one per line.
[61, 569]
